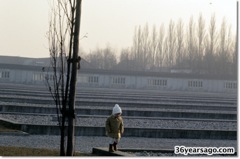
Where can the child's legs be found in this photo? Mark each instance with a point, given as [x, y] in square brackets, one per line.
[114, 140]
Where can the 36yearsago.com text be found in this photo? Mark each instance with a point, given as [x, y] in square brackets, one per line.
[204, 150]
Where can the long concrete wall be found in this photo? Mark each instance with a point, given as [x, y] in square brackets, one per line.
[226, 105]
[129, 132]
[136, 132]
[85, 111]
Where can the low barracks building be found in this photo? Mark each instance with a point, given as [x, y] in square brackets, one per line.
[96, 78]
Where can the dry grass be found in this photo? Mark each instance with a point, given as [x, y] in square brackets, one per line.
[21, 151]
[5, 129]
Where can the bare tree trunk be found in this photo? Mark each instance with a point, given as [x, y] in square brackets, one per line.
[209, 55]
[62, 140]
[191, 44]
[171, 45]
[201, 37]
[72, 93]
[180, 44]
[153, 48]
[160, 58]
[137, 48]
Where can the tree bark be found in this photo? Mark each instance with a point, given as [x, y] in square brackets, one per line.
[72, 93]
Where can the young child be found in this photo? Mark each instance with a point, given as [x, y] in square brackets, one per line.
[114, 127]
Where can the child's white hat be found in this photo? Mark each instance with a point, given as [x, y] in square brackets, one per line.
[116, 109]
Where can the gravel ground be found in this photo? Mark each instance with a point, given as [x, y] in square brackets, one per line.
[86, 143]
[136, 123]
[149, 108]
[123, 108]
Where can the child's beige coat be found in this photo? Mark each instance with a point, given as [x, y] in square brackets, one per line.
[114, 127]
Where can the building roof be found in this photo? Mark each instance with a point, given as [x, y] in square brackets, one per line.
[24, 60]
[37, 64]
[124, 73]
[158, 74]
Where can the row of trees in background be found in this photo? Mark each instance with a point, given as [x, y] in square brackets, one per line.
[196, 46]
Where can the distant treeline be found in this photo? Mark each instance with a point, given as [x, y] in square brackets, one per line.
[194, 46]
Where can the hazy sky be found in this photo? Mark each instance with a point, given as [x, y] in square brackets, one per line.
[24, 23]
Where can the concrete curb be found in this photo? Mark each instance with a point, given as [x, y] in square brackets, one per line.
[129, 132]
[130, 113]
[103, 151]
[144, 149]
[17, 133]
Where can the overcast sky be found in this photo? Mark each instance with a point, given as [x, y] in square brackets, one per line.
[24, 23]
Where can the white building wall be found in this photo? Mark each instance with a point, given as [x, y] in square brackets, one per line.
[104, 81]
[130, 82]
[177, 85]
[173, 84]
